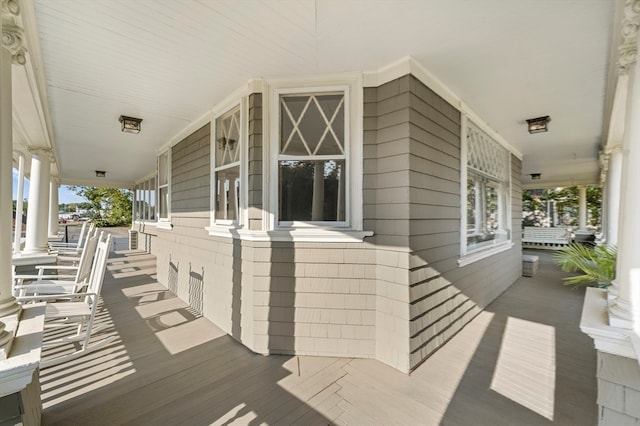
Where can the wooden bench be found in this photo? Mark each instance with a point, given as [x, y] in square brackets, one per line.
[545, 238]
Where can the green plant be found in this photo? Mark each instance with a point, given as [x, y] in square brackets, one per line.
[598, 264]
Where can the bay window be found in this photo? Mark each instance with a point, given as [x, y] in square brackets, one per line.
[487, 190]
[227, 189]
[312, 158]
[145, 200]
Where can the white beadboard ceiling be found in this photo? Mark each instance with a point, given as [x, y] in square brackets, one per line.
[169, 61]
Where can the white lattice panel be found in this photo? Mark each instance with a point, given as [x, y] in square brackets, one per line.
[485, 154]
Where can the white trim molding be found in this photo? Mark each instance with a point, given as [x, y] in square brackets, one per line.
[408, 65]
[317, 235]
[595, 323]
[483, 253]
[351, 86]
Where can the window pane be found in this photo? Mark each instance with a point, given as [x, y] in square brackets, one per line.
[145, 203]
[333, 107]
[152, 199]
[227, 138]
[138, 202]
[486, 212]
[227, 193]
[471, 206]
[312, 190]
[163, 194]
[163, 169]
[491, 208]
[312, 125]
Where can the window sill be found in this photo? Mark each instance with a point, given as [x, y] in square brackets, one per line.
[165, 224]
[230, 231]
[293, 235]
[483, 253]
[140, 225]
[594, 322]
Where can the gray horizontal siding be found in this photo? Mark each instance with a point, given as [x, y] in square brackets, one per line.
[191, 173]
[255, 162]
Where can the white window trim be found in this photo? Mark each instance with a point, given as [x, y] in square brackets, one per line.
[467, 256]
[164, 223]
[134, 209]
[352, 88]
[228, 228]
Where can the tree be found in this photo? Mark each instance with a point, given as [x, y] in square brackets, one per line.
[24, 206]
[565, 201]
[109, 206]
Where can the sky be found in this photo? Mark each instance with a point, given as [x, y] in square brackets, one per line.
[65, 195]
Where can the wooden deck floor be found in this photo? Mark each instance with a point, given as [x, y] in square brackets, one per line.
[521, 362]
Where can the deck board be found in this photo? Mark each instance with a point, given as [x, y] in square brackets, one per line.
[171, 366]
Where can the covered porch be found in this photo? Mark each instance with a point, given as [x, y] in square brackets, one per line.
[521, 361]
[337, 185]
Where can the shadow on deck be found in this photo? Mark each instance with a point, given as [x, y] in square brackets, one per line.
[522, 361]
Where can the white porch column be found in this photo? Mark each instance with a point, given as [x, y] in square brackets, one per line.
[8, 305]
[19, 205]
[582, 208]
[38, 210]
[621, 310]
[614, 182]
[53, 207]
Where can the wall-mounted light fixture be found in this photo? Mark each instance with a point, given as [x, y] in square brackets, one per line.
[535, 176]
[130, 124]
[538, 125]
[100, 173]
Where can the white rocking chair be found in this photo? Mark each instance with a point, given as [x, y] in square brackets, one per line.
[77, 312]
[76, 248]
[45, 283]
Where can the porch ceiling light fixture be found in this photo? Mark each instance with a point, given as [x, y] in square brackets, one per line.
[101, 173]
[538, 125]
[130, 124]
[535, 176]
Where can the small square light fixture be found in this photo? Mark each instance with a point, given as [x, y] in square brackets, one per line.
[535, 176]
[538, 125]
[100, 173]
[130, 124]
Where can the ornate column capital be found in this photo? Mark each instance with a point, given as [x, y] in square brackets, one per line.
[609, 150]
[628, 49]
[12, 33]
[42, 152]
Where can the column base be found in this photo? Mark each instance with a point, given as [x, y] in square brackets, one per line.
[8, 328]
[620, 315]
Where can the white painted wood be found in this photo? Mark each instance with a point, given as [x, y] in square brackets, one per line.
[624, 311]
[38, 210]
[164, 61]
[8, 305]
[53, 207]
[594, 322]
[161, 346]
[16, 371]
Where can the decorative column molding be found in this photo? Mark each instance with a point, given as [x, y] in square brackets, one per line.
[19, 205]
[621, 310]
[582, 208]
[8, 305]
[12, 33]
[612, 189]
[628, 49]
[38, 210]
